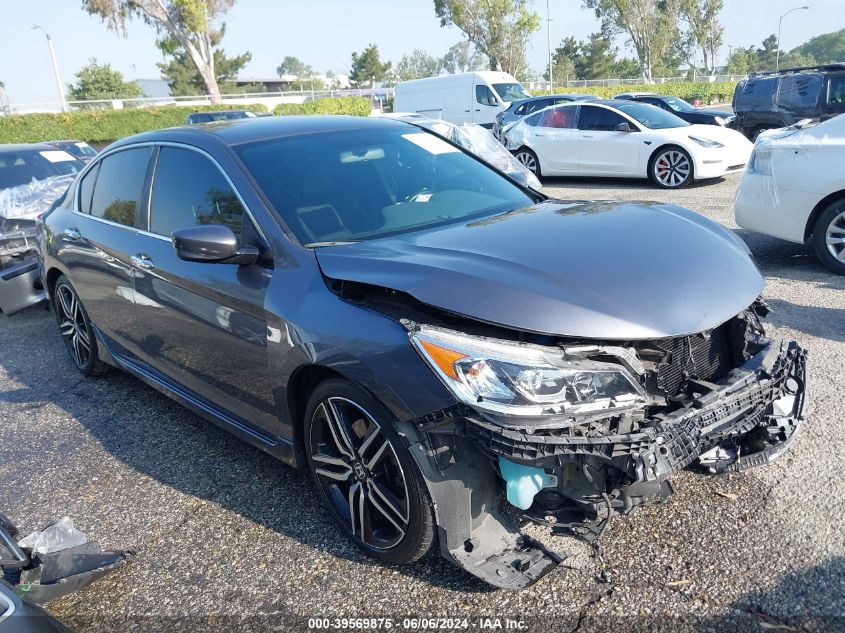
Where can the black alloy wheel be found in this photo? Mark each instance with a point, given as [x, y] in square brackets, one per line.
[76, 329]
[365, 475]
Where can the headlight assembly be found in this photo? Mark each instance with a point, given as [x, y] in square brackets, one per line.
[521, 379]
[705, 142]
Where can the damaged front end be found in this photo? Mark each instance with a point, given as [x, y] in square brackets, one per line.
[20, 282]
[572, 432]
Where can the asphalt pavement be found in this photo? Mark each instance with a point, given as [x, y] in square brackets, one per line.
[229, 539]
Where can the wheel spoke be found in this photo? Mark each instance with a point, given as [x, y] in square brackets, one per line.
[83, 337]
[338, 432]
[387, 499]
[66, 327]
[63, 302]
[339, 470]
[376, 503]
[378, 454]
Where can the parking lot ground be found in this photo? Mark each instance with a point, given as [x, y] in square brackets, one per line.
[230, 539]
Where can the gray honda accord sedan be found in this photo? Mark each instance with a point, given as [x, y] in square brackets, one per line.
[443, 349]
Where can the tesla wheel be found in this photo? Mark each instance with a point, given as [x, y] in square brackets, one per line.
[76, 329]
[529, 159]
[671, 168]
[829, 237]
[365, 475]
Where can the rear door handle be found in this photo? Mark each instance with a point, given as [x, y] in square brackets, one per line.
[143, 261]
[587, 136]
[72, 233]
[539, 134]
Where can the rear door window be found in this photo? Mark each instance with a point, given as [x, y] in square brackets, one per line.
[188, 189]
[86, 189]
[799, 92]
[561, 118]
[119, 187]
[599, 119]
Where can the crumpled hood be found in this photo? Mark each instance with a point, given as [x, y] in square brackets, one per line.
[602, 270]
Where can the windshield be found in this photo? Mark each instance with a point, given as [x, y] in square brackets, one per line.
[650, 116]
[678, 105]
[510, 92]
[20, 167]
[80, 149]
[355, 185]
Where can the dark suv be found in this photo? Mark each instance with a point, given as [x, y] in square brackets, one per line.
[364, 299]
[775, 99]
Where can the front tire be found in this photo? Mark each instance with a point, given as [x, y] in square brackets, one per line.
[365, 475]
[76, 329]
[829, 237]
[529, 159]
[671, 168]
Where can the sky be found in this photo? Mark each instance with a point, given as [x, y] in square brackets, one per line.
[323, 33]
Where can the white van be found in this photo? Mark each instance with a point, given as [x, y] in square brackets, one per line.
[475, 97]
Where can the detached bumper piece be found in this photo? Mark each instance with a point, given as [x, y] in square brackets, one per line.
[574, 476]
[54, 562]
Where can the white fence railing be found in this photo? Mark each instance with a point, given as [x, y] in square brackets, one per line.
[271, 99]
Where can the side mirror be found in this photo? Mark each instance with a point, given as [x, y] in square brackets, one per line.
[212, 244]
[623, 127]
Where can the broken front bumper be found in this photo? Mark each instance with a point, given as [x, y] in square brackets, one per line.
[20, 285]
[583, 473]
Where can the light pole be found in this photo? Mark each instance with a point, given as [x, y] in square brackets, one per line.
[780, 23]
[55, 66]
[549, 43]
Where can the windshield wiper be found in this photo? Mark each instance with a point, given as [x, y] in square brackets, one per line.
[321, 244]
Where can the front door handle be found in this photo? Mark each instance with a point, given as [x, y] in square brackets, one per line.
[143, 261]
[72, 233]
[539, 134]
[586, 136]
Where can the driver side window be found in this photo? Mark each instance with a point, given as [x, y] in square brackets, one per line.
[484, 95]
[188, 189]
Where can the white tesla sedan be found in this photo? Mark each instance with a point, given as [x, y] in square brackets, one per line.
[794, 188]
[627, 140]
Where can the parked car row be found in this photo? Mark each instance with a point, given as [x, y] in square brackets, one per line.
[622, 138]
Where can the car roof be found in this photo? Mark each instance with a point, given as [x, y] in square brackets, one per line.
[237, 131]
[634, 95]
[17, 147]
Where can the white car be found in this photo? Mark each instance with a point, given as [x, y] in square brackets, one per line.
[794, 188]
[625, 139]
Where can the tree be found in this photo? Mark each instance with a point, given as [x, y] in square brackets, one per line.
[500, 29]
[626, 68]
[563, 61]
[825, 49]
[96, 82]
[191, 22]
[462, 58]
[741, 61]
[417, 65]
[294, 66]
[596, 58]
[367, 67]
[182, 75]
[651, 27]
[704, 27]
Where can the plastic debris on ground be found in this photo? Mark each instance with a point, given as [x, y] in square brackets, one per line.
[54, 538]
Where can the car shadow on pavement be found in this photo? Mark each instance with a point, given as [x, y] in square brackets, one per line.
[793, 604]
[160, 439]
[812, 320]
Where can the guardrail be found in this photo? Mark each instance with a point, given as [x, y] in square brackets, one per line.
[269, 99]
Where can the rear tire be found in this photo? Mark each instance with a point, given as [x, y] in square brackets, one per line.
[76, 329]
[829, 237]
[365, 475]
[529, 159]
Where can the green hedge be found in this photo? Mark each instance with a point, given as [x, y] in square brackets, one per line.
[98, 126]
[356, 106]
[717, 92]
